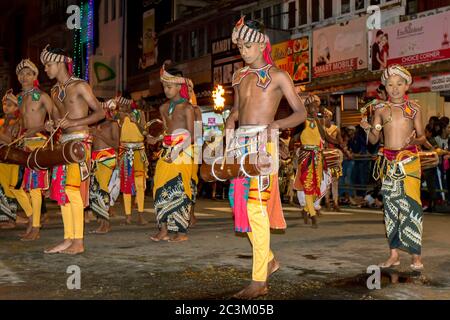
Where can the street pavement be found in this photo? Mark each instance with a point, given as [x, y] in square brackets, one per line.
[326, 263]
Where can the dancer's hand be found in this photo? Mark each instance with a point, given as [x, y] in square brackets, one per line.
[364, 124]
[49, 125]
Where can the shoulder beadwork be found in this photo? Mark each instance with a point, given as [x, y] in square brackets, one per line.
[378, 104]
[239, 75]
[263, 75]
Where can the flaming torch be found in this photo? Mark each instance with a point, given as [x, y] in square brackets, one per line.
[219, 100]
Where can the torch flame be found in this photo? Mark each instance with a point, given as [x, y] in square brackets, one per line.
[219, 100]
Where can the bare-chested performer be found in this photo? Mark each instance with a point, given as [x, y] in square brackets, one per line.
[105, 145]
[400, 119]
[172, 183]
[133, 160]
[74, 99]
[34, 106]
[258, 89]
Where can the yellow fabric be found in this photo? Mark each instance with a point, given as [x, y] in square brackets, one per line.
[260, 239]
[332, 131]
[310, 136]
[140, 193]
[36, 203]
[130, 132]
[103, 175]
[139, 166]
[166, 171]
[35, 143]
[413, 174]
[139, 182]
[73, 215]
[127, 203]
[35, 194]
[19, 194]
[5, 178]
[310, 205]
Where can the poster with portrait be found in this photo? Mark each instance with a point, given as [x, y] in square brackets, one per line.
[149, 41]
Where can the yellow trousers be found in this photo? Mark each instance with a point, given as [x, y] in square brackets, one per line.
[260, 240]
[139, 182]
[310, 204]
[73, 212]
[20, 194]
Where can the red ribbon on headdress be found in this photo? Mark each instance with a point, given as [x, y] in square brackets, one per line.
[184, 92]
[267, 53]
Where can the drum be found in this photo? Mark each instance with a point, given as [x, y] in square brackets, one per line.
[65, 153]
[428, 160]
[155, 128]
[13, 155]
[333, 159]
[249, 165]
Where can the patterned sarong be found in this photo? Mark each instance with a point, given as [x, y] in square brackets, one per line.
[310, 170]
[172, 187]
[8, 206]
[104, 162]
[400, 173]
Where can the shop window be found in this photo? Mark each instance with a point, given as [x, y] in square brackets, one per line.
[303, 12]
[201, 41]
[267, 17]
[359, 5]
[291, 15]
[327, 9]
[194, 44]
[411, 6]
[345, 6]
[257, 15]
[315, 12]
[179, 48]
[375, 2]
[277, 16]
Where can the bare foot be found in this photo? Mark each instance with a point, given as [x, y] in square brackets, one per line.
[272, 267]
[161, 235]
[32, 236]
[112, 212]
[179, 238]
[103, 228]
[62, 246]
[77, 247]
[305, 216]
[29, 227]
[45, 219]
[127, 221]
[141, 220]
[7, 225]
[314, 221]
[254, 290]
[192, 221]
[392, 261]
[20, 220]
